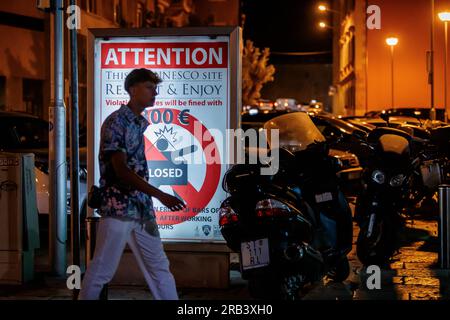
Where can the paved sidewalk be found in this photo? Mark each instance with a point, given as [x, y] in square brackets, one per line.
[412, 274]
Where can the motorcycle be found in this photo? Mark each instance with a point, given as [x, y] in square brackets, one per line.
[293, 227]
[387, 180]
[430, 149]
[440, 139]
[430, 156]
[405, 167]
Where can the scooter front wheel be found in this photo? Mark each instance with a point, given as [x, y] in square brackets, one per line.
[376, 240]
[286, 288]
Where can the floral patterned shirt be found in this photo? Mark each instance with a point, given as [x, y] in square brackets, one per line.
[123, 131]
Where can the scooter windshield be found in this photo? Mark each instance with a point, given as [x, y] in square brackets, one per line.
[296, 131]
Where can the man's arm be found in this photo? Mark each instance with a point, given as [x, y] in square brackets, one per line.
[129, 177]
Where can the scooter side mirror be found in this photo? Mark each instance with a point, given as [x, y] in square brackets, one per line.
[360, 135]
[385, 117]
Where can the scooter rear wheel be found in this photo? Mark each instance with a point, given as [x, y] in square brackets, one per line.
[341, 272]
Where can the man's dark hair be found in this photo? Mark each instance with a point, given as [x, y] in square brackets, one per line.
[141, 75]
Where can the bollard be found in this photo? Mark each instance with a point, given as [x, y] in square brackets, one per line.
[91, 237]
[444, 226]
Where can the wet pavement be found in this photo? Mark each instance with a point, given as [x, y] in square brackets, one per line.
[412, 274]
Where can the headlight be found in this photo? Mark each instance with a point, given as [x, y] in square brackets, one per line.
[397, 180]
[378, 176]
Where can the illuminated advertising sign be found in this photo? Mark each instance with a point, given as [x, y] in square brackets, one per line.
[186, 143]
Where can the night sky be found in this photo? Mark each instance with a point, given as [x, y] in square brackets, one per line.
[286, 25]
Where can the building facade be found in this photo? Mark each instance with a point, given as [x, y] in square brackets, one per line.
[362, 59]
[26, 54]
[24, 63]
[349, 57]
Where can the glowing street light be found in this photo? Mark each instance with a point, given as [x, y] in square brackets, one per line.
[322, 8]
[323, 25]
[392, 42]
[444, 16]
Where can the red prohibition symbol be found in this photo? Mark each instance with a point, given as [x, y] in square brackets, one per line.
[196, 200]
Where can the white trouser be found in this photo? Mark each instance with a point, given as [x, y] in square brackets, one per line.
[112, 236]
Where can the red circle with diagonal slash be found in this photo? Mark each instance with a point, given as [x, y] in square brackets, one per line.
[193, 198]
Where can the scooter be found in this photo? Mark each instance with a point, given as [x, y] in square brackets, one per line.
[293, 227]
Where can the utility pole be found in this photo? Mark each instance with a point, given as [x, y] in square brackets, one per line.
[57, 153]
[74, 147]
[431, 64]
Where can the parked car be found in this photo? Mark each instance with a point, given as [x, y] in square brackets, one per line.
[312, 107]
[372, 114]
[395, 122]
[286, 104]
[342, 135]
[264, 104]
[418, 113]
[359, 122]
[350, 166]
[24, 133]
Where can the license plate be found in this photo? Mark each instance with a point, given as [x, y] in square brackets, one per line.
[255, 254]
[324, 197]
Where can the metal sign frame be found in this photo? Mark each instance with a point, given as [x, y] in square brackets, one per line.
[235, 61]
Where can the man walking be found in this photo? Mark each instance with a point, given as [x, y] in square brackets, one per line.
[127, 209]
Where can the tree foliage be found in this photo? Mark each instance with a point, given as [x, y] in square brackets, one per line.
[255, 72]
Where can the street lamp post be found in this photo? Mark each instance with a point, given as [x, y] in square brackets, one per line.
[445, 17]
[392, 42]
[430, 64]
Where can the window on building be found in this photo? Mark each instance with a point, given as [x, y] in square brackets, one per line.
[89, 6]
[350, 96]
[108, 9]
[117, 11]
[2, 93]
[82, 88]
[33, 97]
[341, 5]
[351, 51]
[140, 14]
[349, 6]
